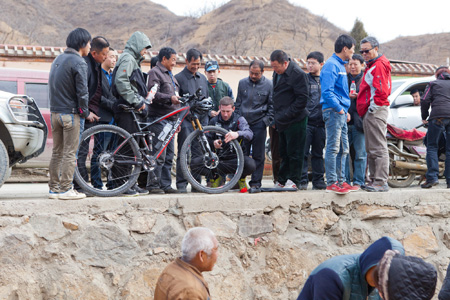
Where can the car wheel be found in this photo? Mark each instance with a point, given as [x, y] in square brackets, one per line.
[4, 164]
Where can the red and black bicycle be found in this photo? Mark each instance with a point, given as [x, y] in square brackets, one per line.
[116, 158]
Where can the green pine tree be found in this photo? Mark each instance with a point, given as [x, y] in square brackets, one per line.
[358, 33]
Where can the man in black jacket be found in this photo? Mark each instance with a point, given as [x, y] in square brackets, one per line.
[315, 138]
[164, 102]
[437, 95]
[101, 103]
[254, 103]
[69, 98]
[190, 80]
[290, 97]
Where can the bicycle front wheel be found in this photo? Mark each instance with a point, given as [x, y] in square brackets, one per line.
[207, 169]
[108, 161]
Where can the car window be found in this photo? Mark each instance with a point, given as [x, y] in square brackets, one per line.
[39, 91]
[8, 86]
[396, 84]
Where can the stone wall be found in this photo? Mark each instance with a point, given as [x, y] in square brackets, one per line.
[116, 248]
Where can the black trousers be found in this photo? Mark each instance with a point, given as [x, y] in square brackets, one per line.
[258, 151]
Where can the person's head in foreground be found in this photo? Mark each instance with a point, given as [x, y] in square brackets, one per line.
[399, 277]
[200, 248]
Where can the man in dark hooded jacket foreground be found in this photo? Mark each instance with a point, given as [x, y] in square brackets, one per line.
[356, 276]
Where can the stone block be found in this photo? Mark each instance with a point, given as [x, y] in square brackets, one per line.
[168, 232]
[371, 212]
[48, 227]
[70, 225]
[318, 220]
[141, 223]
[428, 210]
[254, 225]
[421, 242]
[105, 245]
[220, 224]
[280, 220]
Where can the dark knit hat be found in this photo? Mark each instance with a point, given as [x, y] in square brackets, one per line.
[405, 277]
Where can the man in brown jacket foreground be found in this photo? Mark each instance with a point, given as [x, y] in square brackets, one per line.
[183, 279]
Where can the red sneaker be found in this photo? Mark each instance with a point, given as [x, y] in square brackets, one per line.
[337, 189]
[347, 186]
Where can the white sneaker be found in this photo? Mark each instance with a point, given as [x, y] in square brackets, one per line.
[278, 185]
[290, 184]
[52, 195]
[71, 195]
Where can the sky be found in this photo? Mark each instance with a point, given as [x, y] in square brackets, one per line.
[384, 19]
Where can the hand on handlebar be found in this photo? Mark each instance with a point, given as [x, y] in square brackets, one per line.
[141, 108]
[425, 121]
[175, 100]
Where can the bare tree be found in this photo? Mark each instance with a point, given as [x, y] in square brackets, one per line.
[321, 27]
[263, 33]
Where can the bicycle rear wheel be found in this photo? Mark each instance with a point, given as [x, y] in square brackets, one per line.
[108, 161]
[221, 171]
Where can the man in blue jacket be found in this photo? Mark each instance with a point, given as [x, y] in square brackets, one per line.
[335, 103]
[348, 276]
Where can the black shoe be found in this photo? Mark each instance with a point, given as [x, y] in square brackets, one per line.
[139, 190]
[182, 190]
[254, 190]
[448, 185]
[319, 186]
[428, 185]
[170, 191]
[130, 193]
[155, 191]
[194, 190]
[303, 186]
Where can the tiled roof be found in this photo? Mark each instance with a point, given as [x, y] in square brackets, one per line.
[41, 53]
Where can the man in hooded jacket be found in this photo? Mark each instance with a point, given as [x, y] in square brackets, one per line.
[130, 85]
[437, 95]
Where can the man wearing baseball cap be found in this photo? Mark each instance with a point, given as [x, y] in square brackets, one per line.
[217, 88]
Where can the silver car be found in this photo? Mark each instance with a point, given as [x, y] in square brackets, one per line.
[402, 112]
[23, 131]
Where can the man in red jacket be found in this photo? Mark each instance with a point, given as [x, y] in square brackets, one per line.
[373, 106]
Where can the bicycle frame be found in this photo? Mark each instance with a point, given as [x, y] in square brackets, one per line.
[144, 130]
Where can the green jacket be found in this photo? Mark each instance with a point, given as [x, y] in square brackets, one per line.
[130, 61]
[221, 90]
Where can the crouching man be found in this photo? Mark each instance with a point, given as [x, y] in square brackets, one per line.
[382, 266]
[183, 278]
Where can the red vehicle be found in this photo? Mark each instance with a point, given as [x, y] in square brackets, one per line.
[33, 83]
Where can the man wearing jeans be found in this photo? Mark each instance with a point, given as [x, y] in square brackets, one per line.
[69, 96]
[437, 95]
[335, 103]
[290, 96]
[356, 141]
[373, 106]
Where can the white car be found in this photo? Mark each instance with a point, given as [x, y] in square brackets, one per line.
[23, 132]
[402, 112]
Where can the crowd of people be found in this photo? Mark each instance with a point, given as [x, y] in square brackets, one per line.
[335, 115]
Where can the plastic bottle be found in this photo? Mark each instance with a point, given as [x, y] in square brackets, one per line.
[353, 88]
[166, 130]
[152, 93]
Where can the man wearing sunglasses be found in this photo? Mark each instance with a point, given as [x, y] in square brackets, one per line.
[373, 106]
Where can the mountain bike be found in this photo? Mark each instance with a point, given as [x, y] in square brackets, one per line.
[116, 158]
